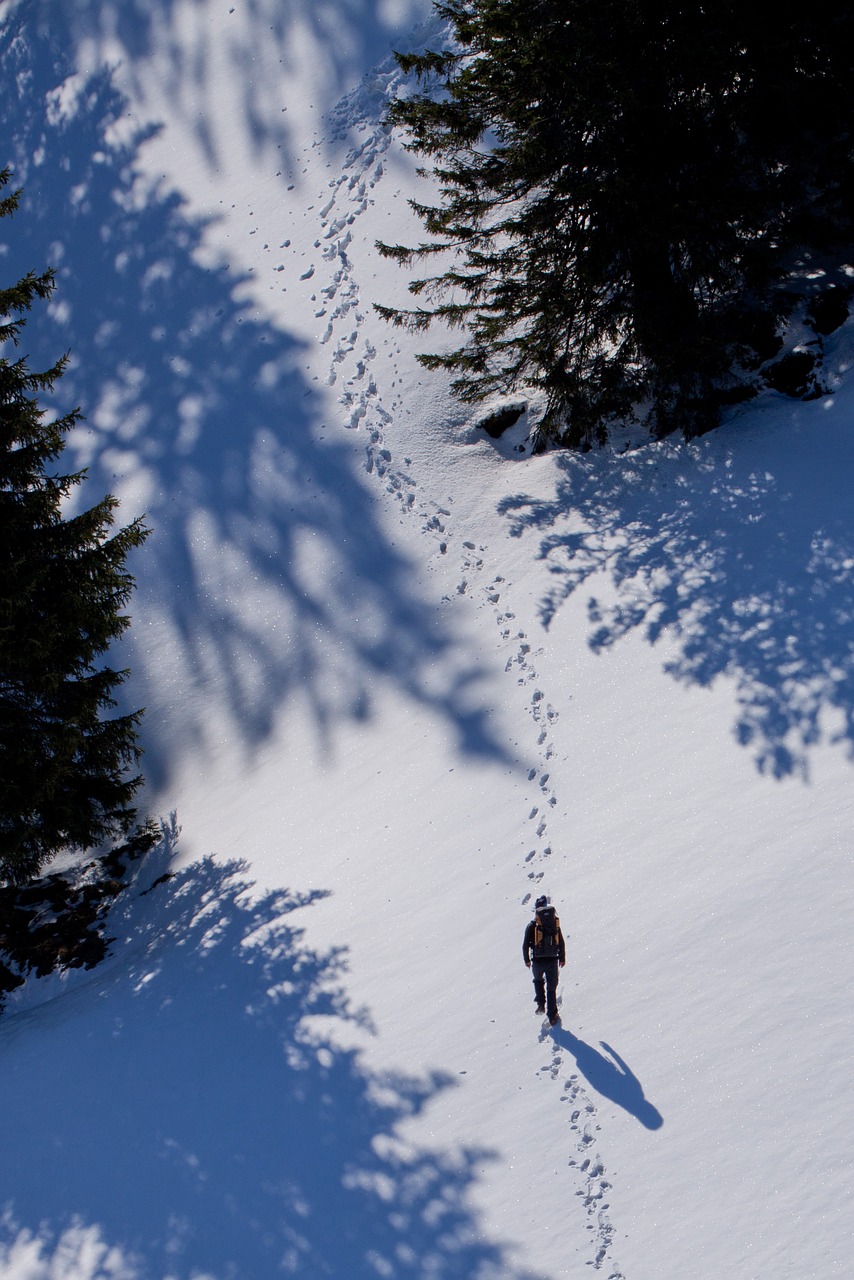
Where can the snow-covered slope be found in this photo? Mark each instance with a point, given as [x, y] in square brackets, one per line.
[399, 678]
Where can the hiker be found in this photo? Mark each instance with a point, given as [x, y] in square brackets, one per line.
[544, 949]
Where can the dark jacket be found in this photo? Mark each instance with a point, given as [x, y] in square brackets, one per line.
[550, 924]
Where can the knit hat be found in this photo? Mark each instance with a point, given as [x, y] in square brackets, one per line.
[541, 902]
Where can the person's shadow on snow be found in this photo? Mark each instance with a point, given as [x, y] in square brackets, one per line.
[610, 1076]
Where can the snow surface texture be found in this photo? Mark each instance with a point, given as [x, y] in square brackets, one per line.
[399, 679]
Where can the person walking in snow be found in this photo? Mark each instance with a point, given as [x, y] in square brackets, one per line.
[544, 951]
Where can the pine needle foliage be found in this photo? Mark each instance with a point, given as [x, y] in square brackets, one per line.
[64, 764]
[623, 187]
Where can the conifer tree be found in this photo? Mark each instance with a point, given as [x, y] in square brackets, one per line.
[623, 187]
[64, 763]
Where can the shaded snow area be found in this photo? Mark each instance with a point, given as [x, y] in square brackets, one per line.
[400, 678]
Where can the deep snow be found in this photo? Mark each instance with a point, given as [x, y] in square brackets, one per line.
[400, 678]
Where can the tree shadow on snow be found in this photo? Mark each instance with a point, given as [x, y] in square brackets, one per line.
[268, 570]
[268, 43]
[610, 1077]
[183, 1111]
[740, 547]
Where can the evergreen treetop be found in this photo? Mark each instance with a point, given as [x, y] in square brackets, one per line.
[623, 186]
[64, 780]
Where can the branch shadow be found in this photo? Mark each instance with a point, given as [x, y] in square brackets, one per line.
[183, 1112]
[267, 44]
[610, 1077]
[203, 415]
[740, 549]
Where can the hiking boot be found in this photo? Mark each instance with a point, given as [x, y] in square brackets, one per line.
[553, 1021]
[540, 1010]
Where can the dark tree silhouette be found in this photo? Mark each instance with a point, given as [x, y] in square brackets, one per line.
[624, 188]
[65, 779]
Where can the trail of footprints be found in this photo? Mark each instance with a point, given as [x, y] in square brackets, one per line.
[594, 1186]
[520, 662]
[339, 303]
[586, 1161]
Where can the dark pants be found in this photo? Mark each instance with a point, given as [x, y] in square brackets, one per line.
[546, 973]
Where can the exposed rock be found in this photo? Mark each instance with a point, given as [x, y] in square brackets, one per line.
[829, 310]
[795, 375]
[502, 419]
